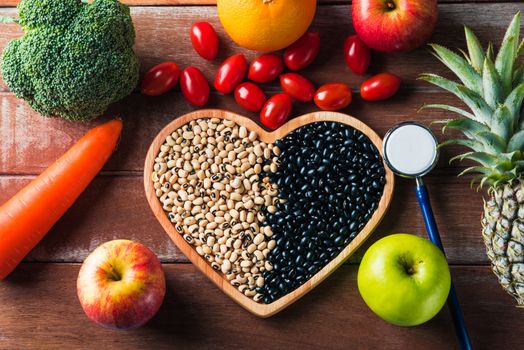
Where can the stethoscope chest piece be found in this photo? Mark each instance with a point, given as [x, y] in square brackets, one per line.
[410, 150]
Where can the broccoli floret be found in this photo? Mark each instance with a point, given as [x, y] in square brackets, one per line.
[75, 58]
[38, 13]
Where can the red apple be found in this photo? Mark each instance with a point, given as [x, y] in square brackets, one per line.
[121, 284]
[394, 25]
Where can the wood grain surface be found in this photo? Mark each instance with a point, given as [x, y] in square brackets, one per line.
[40, 310]
[38, 305]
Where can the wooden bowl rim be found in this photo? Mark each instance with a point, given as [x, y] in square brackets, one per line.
[264, 310]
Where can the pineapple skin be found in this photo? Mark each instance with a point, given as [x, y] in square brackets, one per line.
[503, 233]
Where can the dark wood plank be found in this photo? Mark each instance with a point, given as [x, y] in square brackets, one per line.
[116, 207]
[162, 34]
[35, 299]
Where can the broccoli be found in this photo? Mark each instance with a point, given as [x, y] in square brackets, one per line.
[74, 60]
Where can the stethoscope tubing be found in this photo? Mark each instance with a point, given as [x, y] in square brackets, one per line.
[434, 236]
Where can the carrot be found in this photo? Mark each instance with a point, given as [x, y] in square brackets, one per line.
[29, 215]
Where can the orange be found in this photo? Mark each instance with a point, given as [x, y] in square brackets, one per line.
[266, 25]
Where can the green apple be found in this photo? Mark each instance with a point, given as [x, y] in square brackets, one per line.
[404, 279]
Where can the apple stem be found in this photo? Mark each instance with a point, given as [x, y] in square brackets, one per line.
[391, 4]
[114, 275]
[408, 266]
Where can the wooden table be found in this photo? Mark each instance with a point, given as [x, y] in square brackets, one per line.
[38, 304]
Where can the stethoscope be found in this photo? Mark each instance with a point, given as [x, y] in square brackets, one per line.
[411, 150]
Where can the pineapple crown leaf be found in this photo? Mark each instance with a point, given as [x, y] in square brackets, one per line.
[471, 144]
[508, 53]
[502, 123]
[479, 178]
[449, 108]
[477, 169]
[521, 122]
[468, 127]
[466, 57]
[516, 142]
[476, 54]
[519, 164]
[504, 63]
[514, 103]
[492, 142]
[483, 158]
[490, 52]
[518, 75]
[492, 85]
[519, 48]
[464, 71]
[481, 110]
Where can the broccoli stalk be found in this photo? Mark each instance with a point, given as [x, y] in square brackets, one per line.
[74, 60]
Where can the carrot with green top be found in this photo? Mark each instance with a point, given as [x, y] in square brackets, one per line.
[27, 217]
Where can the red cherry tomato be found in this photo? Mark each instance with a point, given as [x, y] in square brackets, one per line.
[333, 96]
[265, 68]
[231, 73]
[249, 96]
[160, 79]
[204, 40]
[276, 111]
[302, 52]
[297, 87]
[356, 54]
[194, 86]
[380, 87]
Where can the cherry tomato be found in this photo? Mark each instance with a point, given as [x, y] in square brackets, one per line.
[333, 96]
[276, 111]
[194, 86]
[380, 87]
[265, 68]
[160, 79]
[204, 40]
[231, 73]
[297, 87]
[303, 51]
[356, 54]
[249, 96]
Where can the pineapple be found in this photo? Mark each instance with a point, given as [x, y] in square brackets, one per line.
[492, 87]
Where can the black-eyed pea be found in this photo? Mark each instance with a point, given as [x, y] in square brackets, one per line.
[200, 250]
[237, 244]
[215, 266]
[259, 238]
[259, 255]
[251, 248]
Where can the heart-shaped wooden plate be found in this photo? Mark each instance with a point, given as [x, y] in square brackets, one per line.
[259, 309]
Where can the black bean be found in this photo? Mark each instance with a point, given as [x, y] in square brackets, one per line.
[332, 179]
